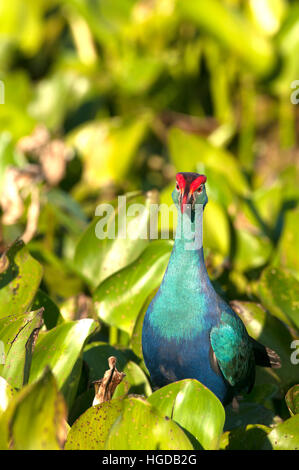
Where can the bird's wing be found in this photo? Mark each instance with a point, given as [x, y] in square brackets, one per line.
[233, 351]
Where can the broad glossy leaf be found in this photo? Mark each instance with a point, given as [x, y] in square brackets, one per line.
[190, 151]
[6, 394]
[18, 334]
[52, 316]
[20, 281]
[141, 427]
[285, 436]
[271, 332]
[278, 290]
[120, 297]
[288, 247]
[36, 417]
[195, 408]
[108, 148]
[251, 251]
[125, 424]
[60, 349]
[96, 258]
[90, 430]
[233, 32]
[216, 231]
[136, 337]
[292, 400]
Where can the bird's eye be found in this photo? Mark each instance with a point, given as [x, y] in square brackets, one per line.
[199, 190]
[177, 187]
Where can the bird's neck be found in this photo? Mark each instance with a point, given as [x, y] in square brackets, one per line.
[186, 264]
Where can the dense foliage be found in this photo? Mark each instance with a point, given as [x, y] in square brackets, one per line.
[112, 97]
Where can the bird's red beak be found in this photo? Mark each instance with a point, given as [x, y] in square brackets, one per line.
[186, 199]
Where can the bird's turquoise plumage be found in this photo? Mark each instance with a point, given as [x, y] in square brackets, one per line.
[189, 331]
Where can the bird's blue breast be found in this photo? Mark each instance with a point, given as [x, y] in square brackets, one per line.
[176, 343]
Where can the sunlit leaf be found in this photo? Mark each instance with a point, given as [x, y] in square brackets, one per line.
[97, 258]
[36, 417]
[292, 400]
[279, 292]
[195, 408]
[18, 334]
[189, 151]
[60, 349]
[20, 281]
[120, 297]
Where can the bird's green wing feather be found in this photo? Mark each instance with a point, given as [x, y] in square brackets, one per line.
[233, 350]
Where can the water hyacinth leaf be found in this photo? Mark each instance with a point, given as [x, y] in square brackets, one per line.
[233, 32]
[18, 334]
[141, 427]
[6, 394]
[19, 281]
[288, 247]
[119, 298]
[114, 240]
[292, 400]
[52, 316]
[216, 240]
[60, 349]
[36, 417]
[271, 332]
[90, 430]
[251, 251]
[192, 151]
[195, 408]
[284, 436]
[102, 143]
[136, 337]
[278, 290]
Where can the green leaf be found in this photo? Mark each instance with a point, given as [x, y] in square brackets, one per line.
[119, 298]
[36, 417]
[285, 436]
[18, 335]
[233, 32]
[60, 349]
[101, 144]
[52, 316]
[96, 258]
[251, 251]
[6, 394]
[141, 427]
[20, 280]
[217, 240]
[189, 152]
[279, 292]
[90, 430]
[195, 408]
[271, 332]
[136, 337]
[288, 247]
[124, 424]
[292, 400]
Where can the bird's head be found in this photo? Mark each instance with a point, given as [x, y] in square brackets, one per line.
[189, 189]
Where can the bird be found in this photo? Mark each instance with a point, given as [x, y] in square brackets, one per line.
[189, 331]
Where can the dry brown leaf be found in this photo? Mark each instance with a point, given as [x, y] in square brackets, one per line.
[105, 387]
